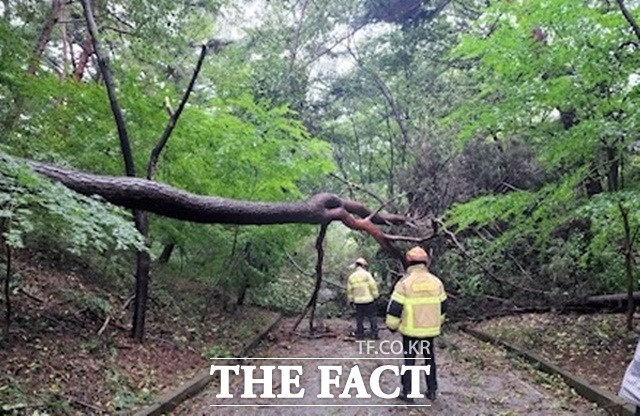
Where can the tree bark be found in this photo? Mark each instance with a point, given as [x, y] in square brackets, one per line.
[319, 261]
[143, 265]
[610, 300]
[83, 60]
[161, 199]
[105, 70]
[142, 194]
[613, 166]
[143, 259]
[45, 36]
[628, 263]
[175, 116]
[7, 292]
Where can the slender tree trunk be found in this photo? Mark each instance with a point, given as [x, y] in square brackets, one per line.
[243, 293]
[166, 253]
[613, 165]
[628, 257]
[358, 150]
[7, 292]
[143, 265]
[392, 167]
[311, 305]
[143, 259]
[45, 36]
[66, 46]
[630, 19]
[316, 290]
[83, 60]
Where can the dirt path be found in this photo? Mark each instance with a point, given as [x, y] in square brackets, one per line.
[474, 379]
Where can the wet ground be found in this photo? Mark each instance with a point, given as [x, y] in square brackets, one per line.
[474, 379]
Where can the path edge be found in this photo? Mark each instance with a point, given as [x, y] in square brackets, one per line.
[607, 401]
[169, 401]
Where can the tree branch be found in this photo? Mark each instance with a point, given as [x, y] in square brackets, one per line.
[629, 17]
[45, 36]
[103, 64]
[175, 115]
[454, 240]
[358, 187]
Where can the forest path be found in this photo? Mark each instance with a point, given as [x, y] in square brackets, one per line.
[474, 379]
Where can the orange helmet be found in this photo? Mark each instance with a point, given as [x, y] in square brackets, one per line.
[417, 255]
[362, 262]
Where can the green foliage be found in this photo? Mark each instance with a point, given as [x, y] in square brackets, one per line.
[231, 141]
[217, 351]
[127, 395]
[288, 294]
[15, 396]
[557, 75]
[32, 205]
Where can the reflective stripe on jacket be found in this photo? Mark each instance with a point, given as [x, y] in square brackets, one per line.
[416, 304]
[361, 288]
[630, 389]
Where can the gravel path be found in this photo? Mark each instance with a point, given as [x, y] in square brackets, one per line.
[474, 379]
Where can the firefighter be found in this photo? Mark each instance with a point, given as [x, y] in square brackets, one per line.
[417, 309]
[362, 291]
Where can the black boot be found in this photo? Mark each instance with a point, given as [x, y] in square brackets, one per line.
[404, 398]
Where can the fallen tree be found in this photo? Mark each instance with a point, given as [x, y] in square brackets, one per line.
[165, 200]
[323, 208]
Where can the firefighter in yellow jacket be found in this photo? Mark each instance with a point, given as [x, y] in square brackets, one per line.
[417, 309]
[362, 291]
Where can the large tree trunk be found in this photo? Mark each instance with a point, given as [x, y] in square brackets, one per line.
[142, 194]
[161, 199]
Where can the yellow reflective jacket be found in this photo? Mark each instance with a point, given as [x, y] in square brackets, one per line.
[361, 288]
[417, 304]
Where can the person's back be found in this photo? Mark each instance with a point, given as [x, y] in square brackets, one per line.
[361, 287]
[423, 293]
[362, 291]
[417, 309]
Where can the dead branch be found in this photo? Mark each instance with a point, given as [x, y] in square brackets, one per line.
[173, 120]
[485, 269]
[75, 400]
[358, 187]
[104, 325]
[384, 205]
[30, 296]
